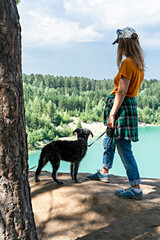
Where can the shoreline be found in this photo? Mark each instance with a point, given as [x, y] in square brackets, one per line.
[97, 128]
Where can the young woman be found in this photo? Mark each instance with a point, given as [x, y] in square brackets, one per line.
[121, 112]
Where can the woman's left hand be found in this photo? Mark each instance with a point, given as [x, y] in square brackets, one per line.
[111, 121]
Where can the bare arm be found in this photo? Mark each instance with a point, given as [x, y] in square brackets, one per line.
[119, 97]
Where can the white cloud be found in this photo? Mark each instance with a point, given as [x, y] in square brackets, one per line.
[47, 31]
[110, 14]
[151, 40]
[48, 23]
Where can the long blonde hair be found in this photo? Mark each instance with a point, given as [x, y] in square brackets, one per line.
[130, 47]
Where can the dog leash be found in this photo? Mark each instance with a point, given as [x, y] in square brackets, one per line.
[31, 168]
[96, 139]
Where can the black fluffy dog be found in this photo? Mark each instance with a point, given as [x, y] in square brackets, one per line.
[70, 151]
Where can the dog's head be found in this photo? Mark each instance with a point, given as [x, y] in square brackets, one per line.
[83, 133]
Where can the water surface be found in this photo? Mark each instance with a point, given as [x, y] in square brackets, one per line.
[146, 152]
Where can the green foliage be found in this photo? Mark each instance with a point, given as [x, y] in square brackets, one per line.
[65, 131]
[148, 102]
[51, 101]
[79, 125]
[17, 1]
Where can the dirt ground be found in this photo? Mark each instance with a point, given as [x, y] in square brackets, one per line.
[90, 210]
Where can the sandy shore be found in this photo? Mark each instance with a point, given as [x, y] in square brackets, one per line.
[97, 129]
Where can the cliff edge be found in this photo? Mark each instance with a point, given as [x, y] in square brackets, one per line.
[90, 210]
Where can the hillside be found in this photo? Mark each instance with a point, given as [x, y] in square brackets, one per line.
[52, 103]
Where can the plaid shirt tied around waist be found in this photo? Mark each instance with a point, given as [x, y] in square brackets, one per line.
[126, 119]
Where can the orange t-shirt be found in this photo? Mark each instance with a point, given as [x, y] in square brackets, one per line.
[130, 70]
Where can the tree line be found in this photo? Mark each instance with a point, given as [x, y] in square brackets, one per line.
[52, 101]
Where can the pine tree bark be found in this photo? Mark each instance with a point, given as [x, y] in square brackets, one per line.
[16, 216]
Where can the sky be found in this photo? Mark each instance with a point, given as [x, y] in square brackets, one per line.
[74, 37]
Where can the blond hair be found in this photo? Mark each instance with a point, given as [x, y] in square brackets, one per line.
[130, 48]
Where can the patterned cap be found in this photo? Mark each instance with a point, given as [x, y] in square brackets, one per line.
[125, 33]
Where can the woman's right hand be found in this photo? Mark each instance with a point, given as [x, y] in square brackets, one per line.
[111, 121]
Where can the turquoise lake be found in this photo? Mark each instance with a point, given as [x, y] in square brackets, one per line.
[146, 152]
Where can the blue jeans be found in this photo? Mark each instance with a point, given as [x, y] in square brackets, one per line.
[125, 152]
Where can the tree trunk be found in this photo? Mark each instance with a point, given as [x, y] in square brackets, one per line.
[16, 216]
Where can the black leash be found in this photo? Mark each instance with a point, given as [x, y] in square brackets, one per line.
[31, 168]
[97, 139]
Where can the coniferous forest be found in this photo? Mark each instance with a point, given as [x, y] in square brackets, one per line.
[51, 101]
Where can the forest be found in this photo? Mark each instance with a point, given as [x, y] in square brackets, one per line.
[51, 102]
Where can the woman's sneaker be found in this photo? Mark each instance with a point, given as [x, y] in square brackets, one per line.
[129, 193]
[100, 177]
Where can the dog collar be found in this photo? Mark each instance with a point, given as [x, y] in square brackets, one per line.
[83, 140]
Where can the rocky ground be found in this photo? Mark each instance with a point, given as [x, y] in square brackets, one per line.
[90, 210]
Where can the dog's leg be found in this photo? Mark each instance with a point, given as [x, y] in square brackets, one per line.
[71, 172]
[55, 169]
[76, 172]
[41, 164]
[37, 174]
